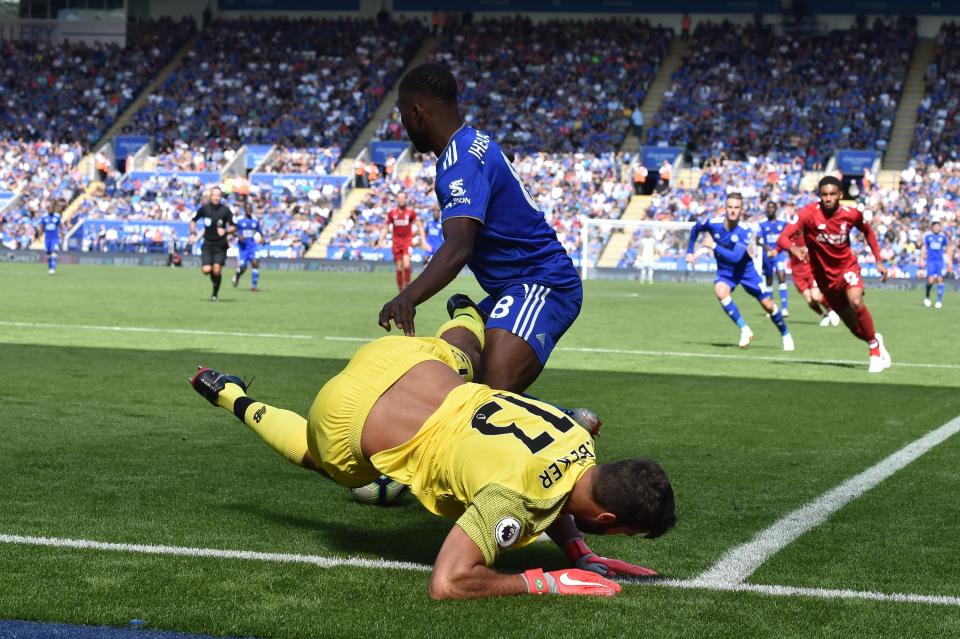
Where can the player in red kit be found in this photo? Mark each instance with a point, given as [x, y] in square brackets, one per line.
[807, 286]
[825, 228]
[400, 222]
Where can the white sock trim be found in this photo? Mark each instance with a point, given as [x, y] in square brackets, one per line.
[727, 301]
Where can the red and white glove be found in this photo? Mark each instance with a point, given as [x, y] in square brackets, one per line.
[582, 557]
[569, 582]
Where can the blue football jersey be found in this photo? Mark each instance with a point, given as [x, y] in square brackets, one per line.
[731, 249]
[434, 232]
[51, 225]
[770, 231]
[514, 242]
[246, 228]
[935, 243]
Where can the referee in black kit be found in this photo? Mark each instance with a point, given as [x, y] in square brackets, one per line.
[218, 222]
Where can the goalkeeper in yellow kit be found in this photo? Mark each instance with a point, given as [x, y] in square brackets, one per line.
[506, 468]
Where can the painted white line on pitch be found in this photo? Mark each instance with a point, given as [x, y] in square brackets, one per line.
[689, 354]
[384, 564]
[796, 591]
[274, 557]
[141, 329]
[742, 561]
[763, 358]
[569, 349]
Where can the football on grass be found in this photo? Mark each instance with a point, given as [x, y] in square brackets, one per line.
[381, 491]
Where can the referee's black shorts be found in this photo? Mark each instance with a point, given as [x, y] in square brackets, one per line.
[213, 254]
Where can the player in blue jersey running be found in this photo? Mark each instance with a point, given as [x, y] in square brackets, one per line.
[249, 234]
[52, 225]
[729, 242]
[434, 233]
[774, 260]
[493, 225]
[932, 254]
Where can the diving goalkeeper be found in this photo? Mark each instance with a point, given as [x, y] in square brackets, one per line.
[506, 468]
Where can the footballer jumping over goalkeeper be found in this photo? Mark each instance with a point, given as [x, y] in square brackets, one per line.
[504, 467]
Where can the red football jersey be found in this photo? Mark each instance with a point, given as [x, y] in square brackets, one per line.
[401, 223]
[828, 240]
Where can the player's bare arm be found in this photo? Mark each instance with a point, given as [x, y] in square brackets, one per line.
[871, 238]
[447, 262]
[460, 572]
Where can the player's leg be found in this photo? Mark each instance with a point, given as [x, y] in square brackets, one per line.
[215, 273]
[858, 318]
[524, 323]
[782, 278]
[926, 295]
[465, 333]
[398, 265]
[939, 272]
[206, 261]
[241, 269]
[51, 257]
[752, 285]
[406, 268]
[722, 288]
[283, 430]
[254, 274]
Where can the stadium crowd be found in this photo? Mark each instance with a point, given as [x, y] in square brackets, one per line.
[57, 101]
[301, 83]
[565, 186]
[559, 86]
[317, 160]
[937, 137]
[45, 174]
[73, 92]
[291, 218]
[900, 214]
[747, 90]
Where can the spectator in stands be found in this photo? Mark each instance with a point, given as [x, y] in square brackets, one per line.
[937, 136]
[516, 80]
[302, 83]
[745, 90]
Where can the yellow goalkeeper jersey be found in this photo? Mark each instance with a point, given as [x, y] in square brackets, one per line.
[500, 464]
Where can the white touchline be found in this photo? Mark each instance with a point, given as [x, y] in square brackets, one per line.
[742, 561]
[762, 358]
[384, 564]
[141, 329]
[569, 349]
[149, 549]
[797, 591]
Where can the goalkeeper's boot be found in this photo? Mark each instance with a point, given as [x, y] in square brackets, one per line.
[459, 300]
[209, 383]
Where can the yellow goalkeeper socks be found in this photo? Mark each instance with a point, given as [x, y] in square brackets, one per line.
[467, 318]
[283, 430]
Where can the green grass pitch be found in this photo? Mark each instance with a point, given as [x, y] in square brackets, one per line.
[103, 440]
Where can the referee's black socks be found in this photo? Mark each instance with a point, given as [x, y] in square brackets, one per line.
[216, 278]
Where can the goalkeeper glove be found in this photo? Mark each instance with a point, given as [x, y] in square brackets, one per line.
[569, 582]
[582, 557]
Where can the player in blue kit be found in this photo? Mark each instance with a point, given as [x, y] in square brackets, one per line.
[434, 233]
[52, 224]
[774, 260]
[729, 242]
[249, 233]
[932, 254]
[493, 225]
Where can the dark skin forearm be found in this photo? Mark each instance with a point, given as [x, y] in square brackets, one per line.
[446, 264]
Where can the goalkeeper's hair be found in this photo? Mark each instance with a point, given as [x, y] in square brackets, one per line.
[639, 493]
[431, 80]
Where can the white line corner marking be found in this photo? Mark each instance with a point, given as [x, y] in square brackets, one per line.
[250, 555]
[742, 561]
